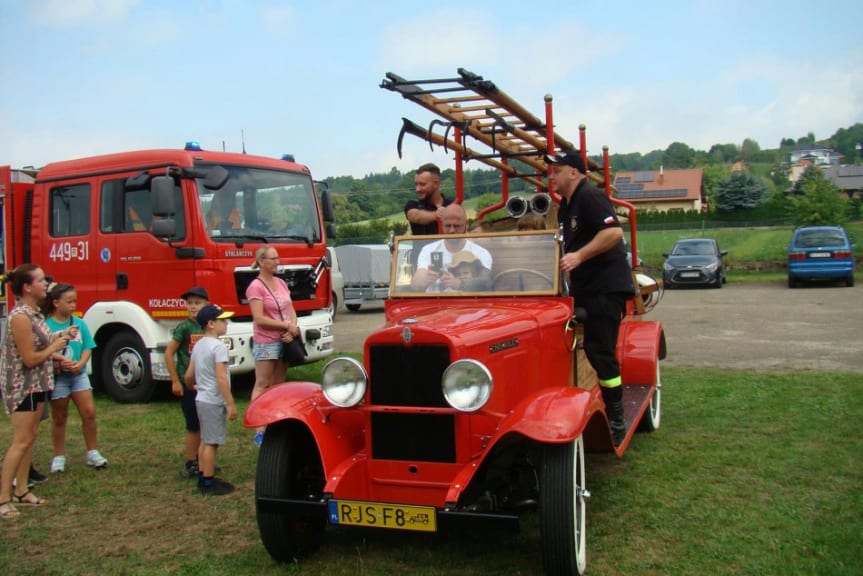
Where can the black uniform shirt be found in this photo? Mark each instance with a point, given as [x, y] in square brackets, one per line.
[586, 213]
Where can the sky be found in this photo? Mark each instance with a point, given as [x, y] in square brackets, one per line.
[85, 77]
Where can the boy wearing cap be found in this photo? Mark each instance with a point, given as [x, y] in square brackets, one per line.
[600, 280]
[208, 375]
[183, 339]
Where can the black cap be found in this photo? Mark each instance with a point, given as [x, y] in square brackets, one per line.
[195, 291]
[572, 158]
[211, 312]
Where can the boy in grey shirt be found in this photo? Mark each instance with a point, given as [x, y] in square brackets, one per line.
[208, 375]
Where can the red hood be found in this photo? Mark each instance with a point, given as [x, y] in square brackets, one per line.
[471, 321]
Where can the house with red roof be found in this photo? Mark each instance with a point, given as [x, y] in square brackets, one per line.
[662, 190]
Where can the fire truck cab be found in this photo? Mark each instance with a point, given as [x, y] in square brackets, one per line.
[132, 231]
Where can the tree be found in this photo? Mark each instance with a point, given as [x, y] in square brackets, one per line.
[749, 150]
[815, 200]
[678, 155]
[739, 191]
[711, 177]
[724, 153]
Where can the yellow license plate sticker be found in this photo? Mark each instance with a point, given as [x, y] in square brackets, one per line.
[381, 515]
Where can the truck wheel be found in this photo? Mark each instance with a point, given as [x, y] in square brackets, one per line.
[353, 307]
[124, 369]
[335, 306]
[652, 416]
[289, 466]
[563, 517]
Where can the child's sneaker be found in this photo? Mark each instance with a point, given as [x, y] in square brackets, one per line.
[217, 487]
[35, 477]
[190, 469]
[259, 438]
[96, 460]
[58, 464]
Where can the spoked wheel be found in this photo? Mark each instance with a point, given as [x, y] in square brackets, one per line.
[289, 466]
[650, 420]
[563, 513]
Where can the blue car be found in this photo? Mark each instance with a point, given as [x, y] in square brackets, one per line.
[820, 253]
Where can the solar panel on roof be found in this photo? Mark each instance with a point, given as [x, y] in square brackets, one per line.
[644, 176]
[657, 194]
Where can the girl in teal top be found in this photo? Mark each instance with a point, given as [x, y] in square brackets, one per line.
[70, 377]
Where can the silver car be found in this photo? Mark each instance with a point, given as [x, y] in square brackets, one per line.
[694, 262]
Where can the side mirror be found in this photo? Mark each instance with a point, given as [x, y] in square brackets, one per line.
[164, 227]
[330, 228]
[216, 177]
[723, 253]
[327, 207]
[162, 196]
[665, 254]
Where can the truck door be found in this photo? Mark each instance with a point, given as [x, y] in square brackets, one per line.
[138, 266]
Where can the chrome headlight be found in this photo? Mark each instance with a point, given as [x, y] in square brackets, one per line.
[344, 382]
[713, 266]
[467, 385]
[667, 266]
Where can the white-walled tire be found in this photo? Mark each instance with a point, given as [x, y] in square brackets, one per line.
[563, 513]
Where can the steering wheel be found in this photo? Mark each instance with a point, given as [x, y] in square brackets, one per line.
[520, 272]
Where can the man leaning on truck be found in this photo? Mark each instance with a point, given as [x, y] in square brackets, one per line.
[424, 212]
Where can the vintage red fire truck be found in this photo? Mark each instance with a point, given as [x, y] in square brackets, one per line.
[133, 231]
[475, 403]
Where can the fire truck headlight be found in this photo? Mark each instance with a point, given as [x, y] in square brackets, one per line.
[344, 382]
[467, 385]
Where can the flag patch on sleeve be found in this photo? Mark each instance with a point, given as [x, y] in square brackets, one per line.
[608, 220]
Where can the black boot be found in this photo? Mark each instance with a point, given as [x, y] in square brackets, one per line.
[613, 398]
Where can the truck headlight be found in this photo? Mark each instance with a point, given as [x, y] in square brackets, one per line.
[344, 381]
[467, 385]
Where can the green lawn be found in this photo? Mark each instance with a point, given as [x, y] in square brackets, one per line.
[750, 473]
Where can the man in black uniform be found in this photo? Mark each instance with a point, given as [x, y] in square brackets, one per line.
[424, 212]
[600, 280]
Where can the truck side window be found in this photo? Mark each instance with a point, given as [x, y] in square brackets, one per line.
[70, 210]
[124, 210]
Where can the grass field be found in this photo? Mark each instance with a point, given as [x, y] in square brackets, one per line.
[751, 473]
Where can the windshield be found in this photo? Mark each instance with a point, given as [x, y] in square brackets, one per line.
[501, 264]
[817, 238]
[697, 248]
[260, 204]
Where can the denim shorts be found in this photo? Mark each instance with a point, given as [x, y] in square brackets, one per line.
[269, 351]
[66, 383]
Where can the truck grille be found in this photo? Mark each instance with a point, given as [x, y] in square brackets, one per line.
[410, 376]
[300, 282]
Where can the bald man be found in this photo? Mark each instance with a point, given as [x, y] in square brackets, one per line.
[435, 258]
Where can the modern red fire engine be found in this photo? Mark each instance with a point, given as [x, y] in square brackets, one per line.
[134, 230]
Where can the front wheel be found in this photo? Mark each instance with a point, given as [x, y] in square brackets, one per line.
[563, 513]
[124, 369]
[353, 307]
[290, 467]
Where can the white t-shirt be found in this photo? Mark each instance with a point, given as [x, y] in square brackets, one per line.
[424, 259]
[208, 352]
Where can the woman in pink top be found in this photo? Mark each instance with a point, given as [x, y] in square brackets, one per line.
[274, 320]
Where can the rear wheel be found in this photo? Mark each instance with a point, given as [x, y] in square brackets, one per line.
[792, 281]
[289, 466]
[353, 307]
[563, 514]
[651, 418]
[849, 281]
[124, 369]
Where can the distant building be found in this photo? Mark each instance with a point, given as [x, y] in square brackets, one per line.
[849, 179]
[801, 158]
[662, 190]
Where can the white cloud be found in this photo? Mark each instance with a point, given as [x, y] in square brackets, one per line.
[70, 13]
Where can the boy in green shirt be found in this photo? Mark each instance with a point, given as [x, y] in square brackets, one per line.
[183, 339]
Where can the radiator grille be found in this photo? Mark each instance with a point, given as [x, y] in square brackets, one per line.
[410, 376]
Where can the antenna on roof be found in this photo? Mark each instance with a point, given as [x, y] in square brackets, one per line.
[243, 138]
